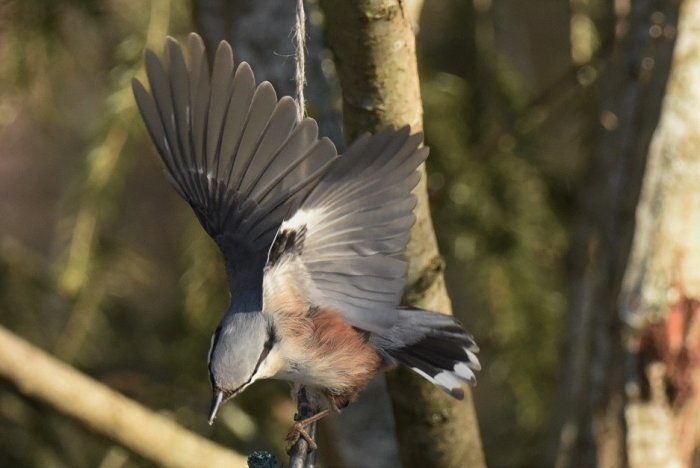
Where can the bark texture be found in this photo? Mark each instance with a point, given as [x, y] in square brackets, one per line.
[374, 48]
[594, 428]
[660, 300]
[154, 437]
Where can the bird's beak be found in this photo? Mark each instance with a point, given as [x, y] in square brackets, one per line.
[216, 401]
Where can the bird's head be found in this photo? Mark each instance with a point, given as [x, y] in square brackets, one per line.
[239, 355]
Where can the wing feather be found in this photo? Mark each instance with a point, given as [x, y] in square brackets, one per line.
[281, 124]
[231, 149]
[220, 97]
[355, 226]
[291, 154]
[261, 110]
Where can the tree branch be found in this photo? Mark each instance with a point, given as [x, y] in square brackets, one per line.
[42, 377]
[303, 456]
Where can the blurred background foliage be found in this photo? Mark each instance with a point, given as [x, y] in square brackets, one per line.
[102, 264]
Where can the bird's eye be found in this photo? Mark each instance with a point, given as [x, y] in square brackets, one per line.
[271, 339]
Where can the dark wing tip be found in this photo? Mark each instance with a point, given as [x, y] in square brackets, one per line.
[145, 104]
[150, 58]
[154, 69]
[457, 393]
[137, 87]
[173, 49]
[404, 131]
[176, 60]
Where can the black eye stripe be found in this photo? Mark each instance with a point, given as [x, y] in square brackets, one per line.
[266, 350]
[271, 338]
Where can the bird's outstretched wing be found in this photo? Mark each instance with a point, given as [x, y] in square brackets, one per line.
[232, 150]
[343, 248]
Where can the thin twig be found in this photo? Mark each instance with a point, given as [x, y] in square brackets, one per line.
[302, 456]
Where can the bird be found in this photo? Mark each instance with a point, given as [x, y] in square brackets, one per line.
[313, 242]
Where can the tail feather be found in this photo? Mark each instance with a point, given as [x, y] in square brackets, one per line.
[436, 347]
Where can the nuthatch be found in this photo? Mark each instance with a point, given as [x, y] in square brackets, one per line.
[312, 241]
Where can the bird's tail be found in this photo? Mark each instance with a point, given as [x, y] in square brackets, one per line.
[436, 347]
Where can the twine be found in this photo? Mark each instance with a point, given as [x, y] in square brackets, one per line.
[300, 45]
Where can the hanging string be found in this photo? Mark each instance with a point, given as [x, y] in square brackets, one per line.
[301, 454]
[300, 45]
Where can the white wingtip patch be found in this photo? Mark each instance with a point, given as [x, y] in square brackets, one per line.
[445, 380]
[463, 371]
[473, 360]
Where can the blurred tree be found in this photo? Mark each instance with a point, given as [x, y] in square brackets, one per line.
[660, 299]
[625, 268]
[505, 159]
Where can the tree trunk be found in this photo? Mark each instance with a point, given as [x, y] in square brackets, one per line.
[660, 300]
[594, 425]
[374, 48]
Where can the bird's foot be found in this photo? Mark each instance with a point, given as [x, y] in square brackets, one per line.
[298, 431]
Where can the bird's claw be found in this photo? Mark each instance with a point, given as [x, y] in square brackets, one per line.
[295, 433]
